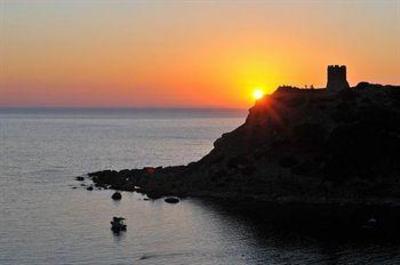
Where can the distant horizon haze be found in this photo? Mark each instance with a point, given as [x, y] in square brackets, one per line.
[187, 54]
[142, 108]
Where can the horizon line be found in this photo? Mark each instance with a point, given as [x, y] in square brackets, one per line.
[126, 107]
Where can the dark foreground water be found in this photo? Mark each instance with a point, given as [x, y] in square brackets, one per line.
[44, 221]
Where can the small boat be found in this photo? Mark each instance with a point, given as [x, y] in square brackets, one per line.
[118, 224]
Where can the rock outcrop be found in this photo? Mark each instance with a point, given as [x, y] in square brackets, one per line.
[296, 145]
[171, 200]
[116, 196]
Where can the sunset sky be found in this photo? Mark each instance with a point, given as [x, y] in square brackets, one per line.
[187, 53]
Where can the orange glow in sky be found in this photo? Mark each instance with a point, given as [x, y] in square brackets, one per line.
[187, 54]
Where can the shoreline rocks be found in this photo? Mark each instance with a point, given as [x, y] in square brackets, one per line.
[171, 200]
[116, 196]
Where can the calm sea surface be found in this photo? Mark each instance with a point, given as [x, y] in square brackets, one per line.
[44, 221]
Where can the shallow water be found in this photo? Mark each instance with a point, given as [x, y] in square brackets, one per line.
[44, 221]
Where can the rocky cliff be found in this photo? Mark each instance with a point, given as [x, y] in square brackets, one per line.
[296, 145]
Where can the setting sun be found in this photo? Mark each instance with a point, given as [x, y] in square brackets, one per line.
[258, 93]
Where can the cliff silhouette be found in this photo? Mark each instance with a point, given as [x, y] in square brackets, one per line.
[296, 145]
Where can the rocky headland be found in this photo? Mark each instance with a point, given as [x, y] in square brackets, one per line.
[296, 146]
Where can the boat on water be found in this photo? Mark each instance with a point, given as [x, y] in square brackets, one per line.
[118, 224]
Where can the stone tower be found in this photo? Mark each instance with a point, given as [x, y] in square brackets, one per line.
[337, 78]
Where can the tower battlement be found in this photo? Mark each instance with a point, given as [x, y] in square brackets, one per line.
[337, 78]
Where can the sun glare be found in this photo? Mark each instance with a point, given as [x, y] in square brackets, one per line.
[258, 93]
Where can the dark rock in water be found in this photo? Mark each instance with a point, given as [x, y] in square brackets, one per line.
[89, 188]
[116, 196]
[74, 188]
[80, 178]
[171, 200]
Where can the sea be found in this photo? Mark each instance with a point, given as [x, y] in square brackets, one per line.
[47, 217]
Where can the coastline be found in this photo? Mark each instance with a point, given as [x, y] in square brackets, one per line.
[290, 150]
